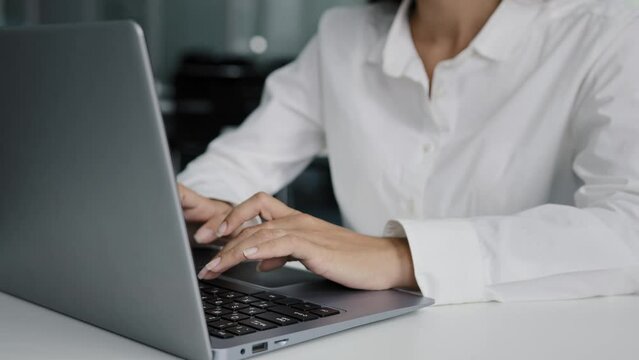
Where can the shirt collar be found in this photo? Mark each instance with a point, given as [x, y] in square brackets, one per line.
[396, 50]
[497, 40]
[502, 34]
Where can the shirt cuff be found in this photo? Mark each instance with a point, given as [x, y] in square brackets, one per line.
[447, 258]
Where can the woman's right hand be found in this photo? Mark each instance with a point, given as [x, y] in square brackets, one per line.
[201, 210]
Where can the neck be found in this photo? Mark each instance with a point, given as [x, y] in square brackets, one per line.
[455, 22]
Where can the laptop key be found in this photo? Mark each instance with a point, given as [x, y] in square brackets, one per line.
[241, 330]
[222, 334]
[235, 317]
[262, 304]
[213, 290]
[222, 324]
[324, 312]
[278, 319]
[228, 285]
[269, 296]
[287, 301]
[252, 311]
[246, 299]
[218, 301]
[230, 295]
[294, 313]
[235, 306]
[303, 316]
[218, 311]
[211, 318]
[306, 306]
[258, 324]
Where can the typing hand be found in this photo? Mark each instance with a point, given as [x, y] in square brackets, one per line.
[331, 251]
[199, 209]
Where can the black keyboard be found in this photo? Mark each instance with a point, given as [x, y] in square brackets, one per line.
[230, 312]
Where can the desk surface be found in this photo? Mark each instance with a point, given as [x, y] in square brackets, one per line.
[601, 328]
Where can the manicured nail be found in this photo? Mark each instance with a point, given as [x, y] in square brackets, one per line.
[250, 251]
[202, 273]
[221, 229]
[203, 234]
[213, 264]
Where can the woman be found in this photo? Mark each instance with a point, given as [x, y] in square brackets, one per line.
[480, 150]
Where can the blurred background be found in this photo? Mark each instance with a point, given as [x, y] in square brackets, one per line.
[210, 59]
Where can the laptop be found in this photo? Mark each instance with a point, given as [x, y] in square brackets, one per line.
[90, 221]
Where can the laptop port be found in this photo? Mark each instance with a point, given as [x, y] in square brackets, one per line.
[258, 348]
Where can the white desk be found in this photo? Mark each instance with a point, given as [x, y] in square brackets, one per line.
[602, 328]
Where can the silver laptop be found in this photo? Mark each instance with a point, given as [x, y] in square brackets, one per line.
[90, 223]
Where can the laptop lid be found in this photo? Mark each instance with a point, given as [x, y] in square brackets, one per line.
[90, 223]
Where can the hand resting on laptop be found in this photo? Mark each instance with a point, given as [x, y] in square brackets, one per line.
[336, 253]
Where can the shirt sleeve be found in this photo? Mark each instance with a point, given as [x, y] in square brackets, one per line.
[275, 143]
[553, 251]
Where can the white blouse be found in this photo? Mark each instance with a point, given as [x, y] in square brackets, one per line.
[516, 179]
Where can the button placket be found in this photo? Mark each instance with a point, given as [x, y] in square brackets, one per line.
[412, 189]
[436, 101]
[439, 90]
[417, 171]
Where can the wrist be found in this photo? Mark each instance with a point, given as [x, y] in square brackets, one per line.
[405, 272]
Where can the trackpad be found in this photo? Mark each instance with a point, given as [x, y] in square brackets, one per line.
[246, 272]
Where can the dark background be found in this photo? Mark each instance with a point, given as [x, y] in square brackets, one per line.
[210, 59]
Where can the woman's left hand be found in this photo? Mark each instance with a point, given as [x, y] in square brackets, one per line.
[336, 253]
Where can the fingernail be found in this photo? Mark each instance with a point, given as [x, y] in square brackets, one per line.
[202, 273]
[221, 229]
[213, 264]
[250, 251]
[203, 234]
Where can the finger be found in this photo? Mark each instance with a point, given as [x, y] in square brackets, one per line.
[211, 229]
[243, 235]
[231, 256]
[271, 264]
[260, 204]
[291, 247]
[240, 234]
[285, 246]
[258, 237]
[287, 223]
[195, 208]
[188, 198]
[196, 215]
